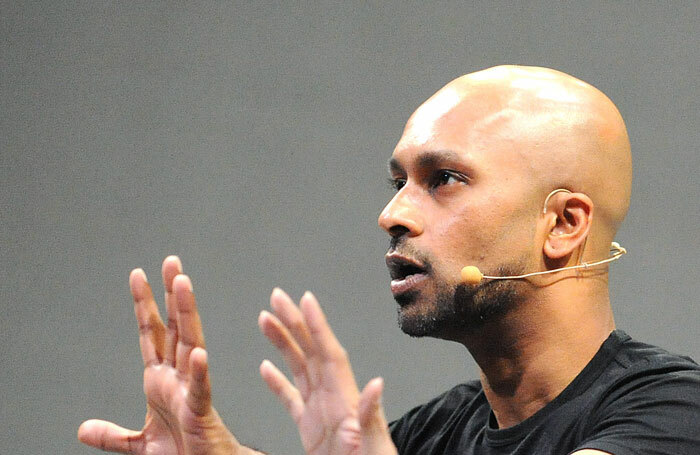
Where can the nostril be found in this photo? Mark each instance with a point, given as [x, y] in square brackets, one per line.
[398, 231]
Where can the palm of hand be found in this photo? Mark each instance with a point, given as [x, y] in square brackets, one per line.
[328, 429]
[333, 417]
[166, 408]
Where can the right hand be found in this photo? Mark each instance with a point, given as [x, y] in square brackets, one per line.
[332, 415]
[179, 418]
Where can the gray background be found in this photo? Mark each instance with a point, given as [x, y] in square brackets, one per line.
[251, 139]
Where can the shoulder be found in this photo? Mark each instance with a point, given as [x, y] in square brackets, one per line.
[642, 371]
[636, 353]
[647, 399]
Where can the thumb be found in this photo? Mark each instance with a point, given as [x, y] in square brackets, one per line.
[109, 437]
[374, 430]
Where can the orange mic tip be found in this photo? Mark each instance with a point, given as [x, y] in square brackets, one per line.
[471, 275]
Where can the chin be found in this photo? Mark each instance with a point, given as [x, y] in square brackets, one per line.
[425, 316]
[454, 311]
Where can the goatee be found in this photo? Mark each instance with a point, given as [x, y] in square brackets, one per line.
[459, 309]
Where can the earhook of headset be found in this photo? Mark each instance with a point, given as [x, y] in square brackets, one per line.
[549, 196]
[615, 249]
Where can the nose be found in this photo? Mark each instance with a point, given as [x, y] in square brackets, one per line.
[401, 216]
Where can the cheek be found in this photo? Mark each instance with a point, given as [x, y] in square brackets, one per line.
[465, 237]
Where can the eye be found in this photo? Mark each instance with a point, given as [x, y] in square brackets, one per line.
[396, 184]
[447, 177]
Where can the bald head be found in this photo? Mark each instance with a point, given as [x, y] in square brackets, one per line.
[472, 170]
[558, 131]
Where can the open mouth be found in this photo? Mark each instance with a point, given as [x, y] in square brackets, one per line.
[405, 273]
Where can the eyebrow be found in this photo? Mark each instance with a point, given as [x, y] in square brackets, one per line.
[427, 159]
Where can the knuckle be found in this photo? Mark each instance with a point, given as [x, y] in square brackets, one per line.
[340, 355]
[146, 327]
[296, 324]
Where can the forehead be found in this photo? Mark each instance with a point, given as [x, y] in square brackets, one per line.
[453, 127]
[423, 123]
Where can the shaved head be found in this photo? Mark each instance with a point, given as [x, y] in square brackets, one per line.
[566, 133]
[473, 169]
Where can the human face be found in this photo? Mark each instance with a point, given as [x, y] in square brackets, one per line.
[459, 201]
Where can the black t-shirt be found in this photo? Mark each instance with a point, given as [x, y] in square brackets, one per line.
[632, 398]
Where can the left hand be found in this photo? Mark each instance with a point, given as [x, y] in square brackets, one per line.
[332, 416]
[179, 416]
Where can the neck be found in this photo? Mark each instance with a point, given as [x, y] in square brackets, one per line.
[529, 356]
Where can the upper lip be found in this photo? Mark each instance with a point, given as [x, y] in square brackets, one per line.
[402, 266]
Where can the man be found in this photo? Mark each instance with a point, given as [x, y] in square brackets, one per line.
[511, 169]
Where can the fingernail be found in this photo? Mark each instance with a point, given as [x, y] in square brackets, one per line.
[187, 280]
[142, 273]
[177, 260]
[276, 290]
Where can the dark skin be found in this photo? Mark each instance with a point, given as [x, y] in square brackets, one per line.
[477, 139]
[472, 170]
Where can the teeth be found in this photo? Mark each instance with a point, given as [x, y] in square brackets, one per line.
[407, 276]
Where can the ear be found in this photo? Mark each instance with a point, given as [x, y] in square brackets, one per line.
[570, 217]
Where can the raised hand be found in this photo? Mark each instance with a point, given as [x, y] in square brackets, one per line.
[179, 416]
[333, 417]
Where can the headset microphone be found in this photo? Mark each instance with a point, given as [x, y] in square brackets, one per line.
[472, 275]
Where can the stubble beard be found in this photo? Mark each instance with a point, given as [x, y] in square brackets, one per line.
[459, 309]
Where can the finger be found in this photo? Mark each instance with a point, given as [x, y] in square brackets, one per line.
[325, 342]
[294, 357]
[189, 326]
[151, 328]
[333, 363]
[109, 437]
[283, 389]
[289, 314]
[373, 426]
[199, 395]
[171, 268]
